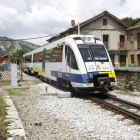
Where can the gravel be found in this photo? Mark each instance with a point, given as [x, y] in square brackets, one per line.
[135, 98]
[52, 118]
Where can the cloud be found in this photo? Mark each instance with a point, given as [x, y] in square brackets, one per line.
[32, 18]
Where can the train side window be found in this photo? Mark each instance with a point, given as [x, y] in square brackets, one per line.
[37, 57]
[55, 54]
[28, 59]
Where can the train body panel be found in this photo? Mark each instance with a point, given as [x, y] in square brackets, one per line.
[77, 61]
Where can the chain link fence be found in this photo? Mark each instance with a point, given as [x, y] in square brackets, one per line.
[5, 70]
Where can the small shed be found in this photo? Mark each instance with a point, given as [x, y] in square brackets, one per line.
[4, 59]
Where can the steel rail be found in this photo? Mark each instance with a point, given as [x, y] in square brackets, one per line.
[126, 113]
[125, 102]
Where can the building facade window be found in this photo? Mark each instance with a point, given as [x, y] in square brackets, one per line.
[106, 41]
[122, 40]
[138, 40]
[132, 59]
[131, 38]
[104, 21]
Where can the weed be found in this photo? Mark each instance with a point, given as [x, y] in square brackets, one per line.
[4, 83]
[15, 104]
[18, 92]
[3, 124]
[124, 93]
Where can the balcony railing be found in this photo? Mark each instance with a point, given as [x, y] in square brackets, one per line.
[122, 45]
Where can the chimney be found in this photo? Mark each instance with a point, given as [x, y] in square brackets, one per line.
[72, 23]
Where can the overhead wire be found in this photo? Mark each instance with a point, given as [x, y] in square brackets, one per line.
[28, 38]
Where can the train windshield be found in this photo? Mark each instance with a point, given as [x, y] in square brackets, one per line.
[93, 52]
[86, 54]
[99, 52]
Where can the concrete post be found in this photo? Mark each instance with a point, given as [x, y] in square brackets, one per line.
[13, 74]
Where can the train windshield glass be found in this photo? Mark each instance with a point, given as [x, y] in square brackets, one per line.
[85, 52]
[99, 52]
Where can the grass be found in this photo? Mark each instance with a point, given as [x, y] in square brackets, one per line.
[15, 104]
[3, 124]
[18, 92]
[124, 93]
[4, 83]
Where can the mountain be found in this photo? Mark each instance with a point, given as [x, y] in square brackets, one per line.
[9, 47]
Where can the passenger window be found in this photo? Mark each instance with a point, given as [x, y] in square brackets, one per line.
[54, 55]
[71, 61]
[37, 57]
[28, 59]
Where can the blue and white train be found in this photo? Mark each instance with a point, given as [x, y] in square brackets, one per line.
[80, 62]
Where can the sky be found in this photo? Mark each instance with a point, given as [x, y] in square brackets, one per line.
[34, 18]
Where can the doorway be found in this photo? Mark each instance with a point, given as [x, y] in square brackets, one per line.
[138, 40]
[122, 60]
[138, 57]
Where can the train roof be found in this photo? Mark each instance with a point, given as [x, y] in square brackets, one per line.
[79, 39]
[82, 39]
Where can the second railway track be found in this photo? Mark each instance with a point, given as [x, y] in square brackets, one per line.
[123, 107]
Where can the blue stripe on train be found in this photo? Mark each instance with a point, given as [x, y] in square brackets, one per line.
[78, 78]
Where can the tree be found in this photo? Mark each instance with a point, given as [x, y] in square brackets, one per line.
[18, 53]
[15, 56]
[1, 52]
[129, 21]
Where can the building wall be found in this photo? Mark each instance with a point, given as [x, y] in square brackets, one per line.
[128, 79]
[113, 29]
[132, 46]
[135, 53]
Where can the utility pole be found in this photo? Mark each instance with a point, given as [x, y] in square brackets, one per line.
[78, 28]
[21, 69]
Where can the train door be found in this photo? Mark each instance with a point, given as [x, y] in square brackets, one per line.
[43, 60]
[68, 61]
[71, 64]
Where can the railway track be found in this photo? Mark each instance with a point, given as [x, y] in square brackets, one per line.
[123, 107]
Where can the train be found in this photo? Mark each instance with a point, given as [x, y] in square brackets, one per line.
[77, 62]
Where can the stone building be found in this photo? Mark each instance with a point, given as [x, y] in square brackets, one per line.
[110, 29]
[133, 35]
